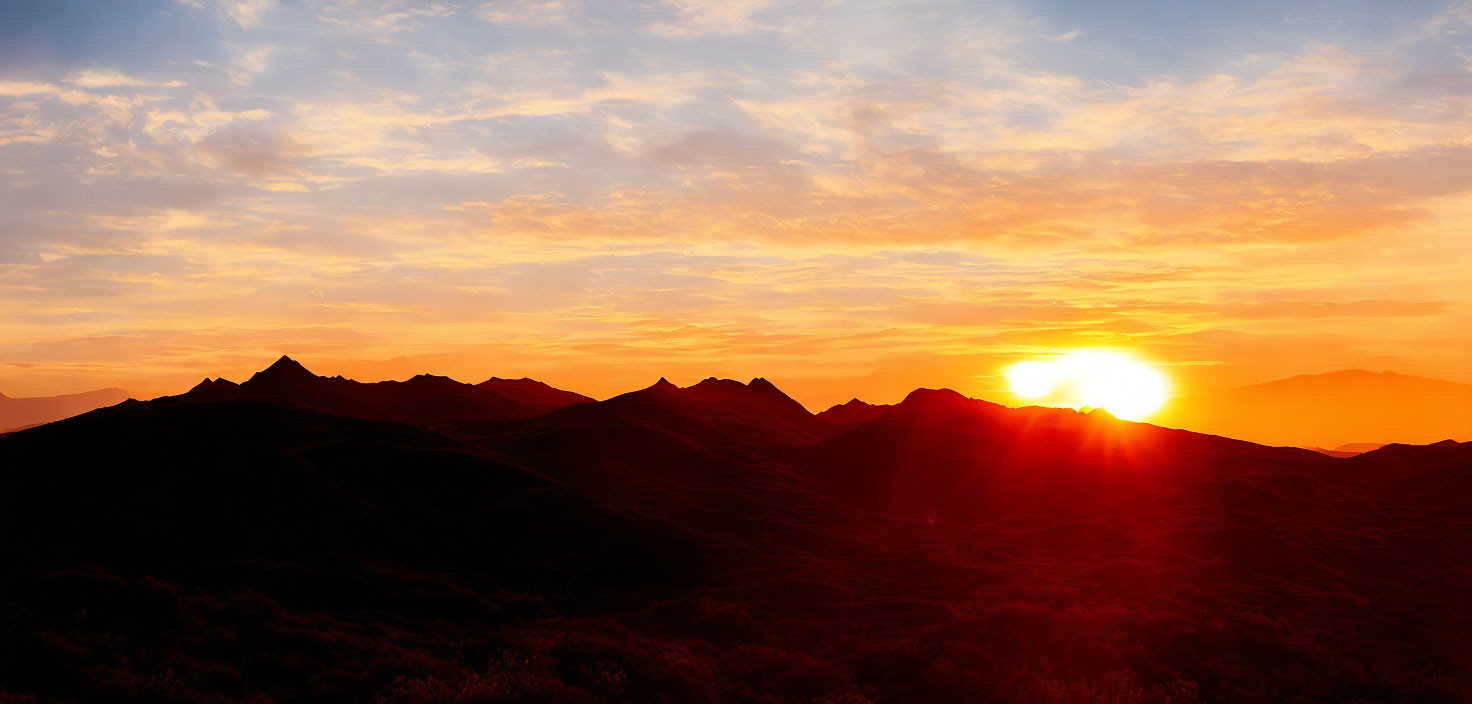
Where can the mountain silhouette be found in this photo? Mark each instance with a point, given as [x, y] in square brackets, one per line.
[305, 538]
[532, 392]
[855, 411]
[423, 399]
[713, 411]
[1330, 410]
[16, 413]
[284, 373]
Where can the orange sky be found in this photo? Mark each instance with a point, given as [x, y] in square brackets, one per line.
[849, 199]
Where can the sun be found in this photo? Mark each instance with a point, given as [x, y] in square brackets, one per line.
[1124, 386]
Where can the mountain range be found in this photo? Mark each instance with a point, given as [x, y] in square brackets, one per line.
[1341, 413]
[296, 537]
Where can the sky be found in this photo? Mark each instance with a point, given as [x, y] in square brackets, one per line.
[850, 198]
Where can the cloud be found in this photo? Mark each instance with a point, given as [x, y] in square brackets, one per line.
[15, 89]
[383, 16]
[246, 13]
[1349, 309]
[248, 62]
[533, 13]
[113, 78]
[695, 18]
[248, 149]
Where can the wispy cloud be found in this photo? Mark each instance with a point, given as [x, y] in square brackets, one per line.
[113, 78]
[524, 12]
[1068, 36]
[694, 18]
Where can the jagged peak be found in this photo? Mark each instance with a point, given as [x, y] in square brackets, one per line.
[283, 369]
[766, 388]
[286, 363]
[663, 383]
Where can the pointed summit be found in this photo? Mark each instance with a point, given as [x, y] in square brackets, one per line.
[852, 413]
[766, 389]
[663, 383]
[287, 365]
[284, 372]
[851, 405]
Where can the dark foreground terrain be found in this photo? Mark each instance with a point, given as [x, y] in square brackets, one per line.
[299, 538]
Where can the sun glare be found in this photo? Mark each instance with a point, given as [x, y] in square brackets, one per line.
[1126, 387]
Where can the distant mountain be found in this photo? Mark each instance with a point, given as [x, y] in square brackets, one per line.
[301, 538]
[1330, 410]
[16, 413]
[1335, 453]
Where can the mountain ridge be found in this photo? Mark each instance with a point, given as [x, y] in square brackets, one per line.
[713, 543]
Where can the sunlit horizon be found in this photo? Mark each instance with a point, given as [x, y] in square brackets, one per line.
[1128, 388]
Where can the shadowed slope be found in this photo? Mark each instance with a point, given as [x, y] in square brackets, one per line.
[703, 454]
[189, 479]
[147, 545]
